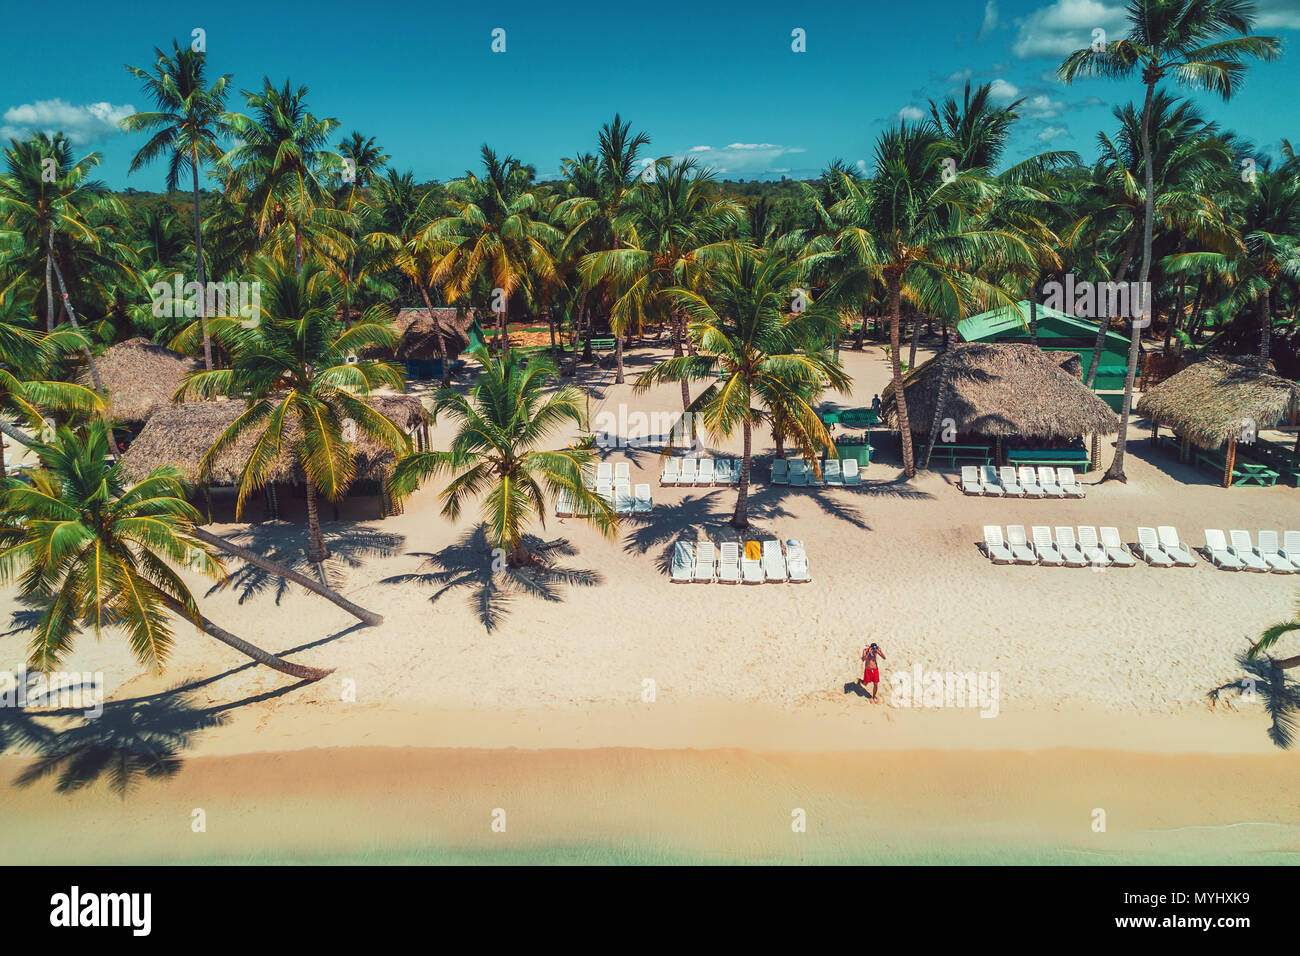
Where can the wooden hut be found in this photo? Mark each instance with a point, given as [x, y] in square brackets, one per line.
[1217, 407]
[1000, 392]
[139, 378]
[417, 333]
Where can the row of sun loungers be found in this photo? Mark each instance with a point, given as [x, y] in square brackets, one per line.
[1159, 547]
[700, 472]
[700, 562]
[621, 496]
[836, 473]
[1025, 482]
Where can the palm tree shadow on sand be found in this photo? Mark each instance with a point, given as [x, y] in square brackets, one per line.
[471, 564]
[276, 540]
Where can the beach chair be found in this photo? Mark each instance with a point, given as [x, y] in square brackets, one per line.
[1221, 555]
[1047, 481]
[1173, 546]
[564, 505]
[815, 480]
[798, 473]
[1029, 482]
[707, 471]
[1044, 548]
[729, 563]
[995, 547]
[1268, 551]
[672, 472]
[1069, 483]
[1066, 544]
[1239, 546]
[641, 500]
[622, 471]
[1091, 547]
[1150, 551]
[722, 471]
[1010, 483]
[989, 483]
[605, 489]
[605, 472]
[1018, 545]
[751, 563]
[706, 561]
[589, 475]
[683, 566]
[690, 471]
[780, 472]
[773, 561]
[1291, 548]
[852, 474]
[970, 481]
[833, 472]
[733, 472]
[796, 563]
[623, 500]
[1116, 550]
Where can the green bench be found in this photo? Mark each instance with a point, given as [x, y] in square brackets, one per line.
[977, 453]
[1278, 457]
[1056, 457]
[1244, 471]
[602, 345]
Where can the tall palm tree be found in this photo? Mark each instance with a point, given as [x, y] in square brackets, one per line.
[297, 369]
[767, 361]
[186, 123]
[363, 162]
[1200, 43]
[92, 551]
[509, 412]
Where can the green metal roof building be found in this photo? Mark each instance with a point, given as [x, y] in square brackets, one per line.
[1057, 332]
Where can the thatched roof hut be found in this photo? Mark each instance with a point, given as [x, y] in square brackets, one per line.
[182, 434]
[1004, 391]
[1212, 400]
[417, 338]
[139, 377]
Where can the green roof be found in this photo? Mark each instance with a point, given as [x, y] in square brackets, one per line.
[1014, 320]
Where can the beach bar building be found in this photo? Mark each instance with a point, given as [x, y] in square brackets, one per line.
[1000, 403]
[1219, 410]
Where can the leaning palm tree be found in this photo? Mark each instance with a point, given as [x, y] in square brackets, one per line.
[297, 368]
[186, 123]
[1200, 43]
[91, 551]
[766, 360]
[495, 453]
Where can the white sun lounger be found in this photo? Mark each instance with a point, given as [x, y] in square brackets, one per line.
[1150, 550]
[1268, 550]
[683, 566]
[1069, 483]
[729, 563]
[641, 500]
[1221, 555]
[1029, 482]
[970, 481]
[989, 483]
[622, 471]
[852, 474]
[1047, 481]
[1116, 550]
[1043, 546]
[706, 561]
[1071, 553]
[780, 472]
[706, 473]
[722, 471]
[736, 465]
[672, 472]
[1018, 545]
[1241, 548]
[623, 500]
[751, 570]
[796, 562]
[589, 475]
[798, 473]
[1091, 547]
[604, 472]
[995, 547]
[1174, 546]
[563, 505]
[1010, 484]
[815, 480]
[1291, 549]
[833, 472]
[773, 561]
[690, 472]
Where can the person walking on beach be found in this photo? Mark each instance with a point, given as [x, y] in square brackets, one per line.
[871, 669]
[875, 406]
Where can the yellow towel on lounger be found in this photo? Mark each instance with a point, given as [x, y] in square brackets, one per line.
[753, 551]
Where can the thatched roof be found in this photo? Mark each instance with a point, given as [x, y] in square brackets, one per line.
[1212, 399]
[139, 378]
[182, 434]
[416, 331]
[1007, 390]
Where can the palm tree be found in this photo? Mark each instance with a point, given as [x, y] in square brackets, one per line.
[1202, 44]
[91, 551]
[768, 361]
[363, 160]
[495, 453]
[297, 369]
[186, 123]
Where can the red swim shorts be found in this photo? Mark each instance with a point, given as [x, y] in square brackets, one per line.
[871, 675]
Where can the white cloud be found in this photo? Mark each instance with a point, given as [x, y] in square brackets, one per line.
[1050, 133]
[1065, 26]
[1277, 15]
[910, 113]
[742, 158]
[961, 76]
[81, 124]
[1041, 107]
[1003, 91]
[990, 20]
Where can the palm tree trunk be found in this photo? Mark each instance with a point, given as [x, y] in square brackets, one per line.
[1180, 302]
[1116, 469]
[316, 550]
[1195, 327]
[740, 519]
[916, 334]
[895, 341]
[941, 402]
[862, 331]
[618, 358]
[198, 258]
[678, 352]
[1103, 322]
[1265, 324]
[249, 650]
[49, 289]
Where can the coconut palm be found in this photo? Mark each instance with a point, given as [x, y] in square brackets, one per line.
[768, 362]
[92, 551]
[297, 368]
[1202, 44]
[495, 456]
[187, 120]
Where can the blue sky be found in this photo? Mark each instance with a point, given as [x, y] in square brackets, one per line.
[719, 80]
